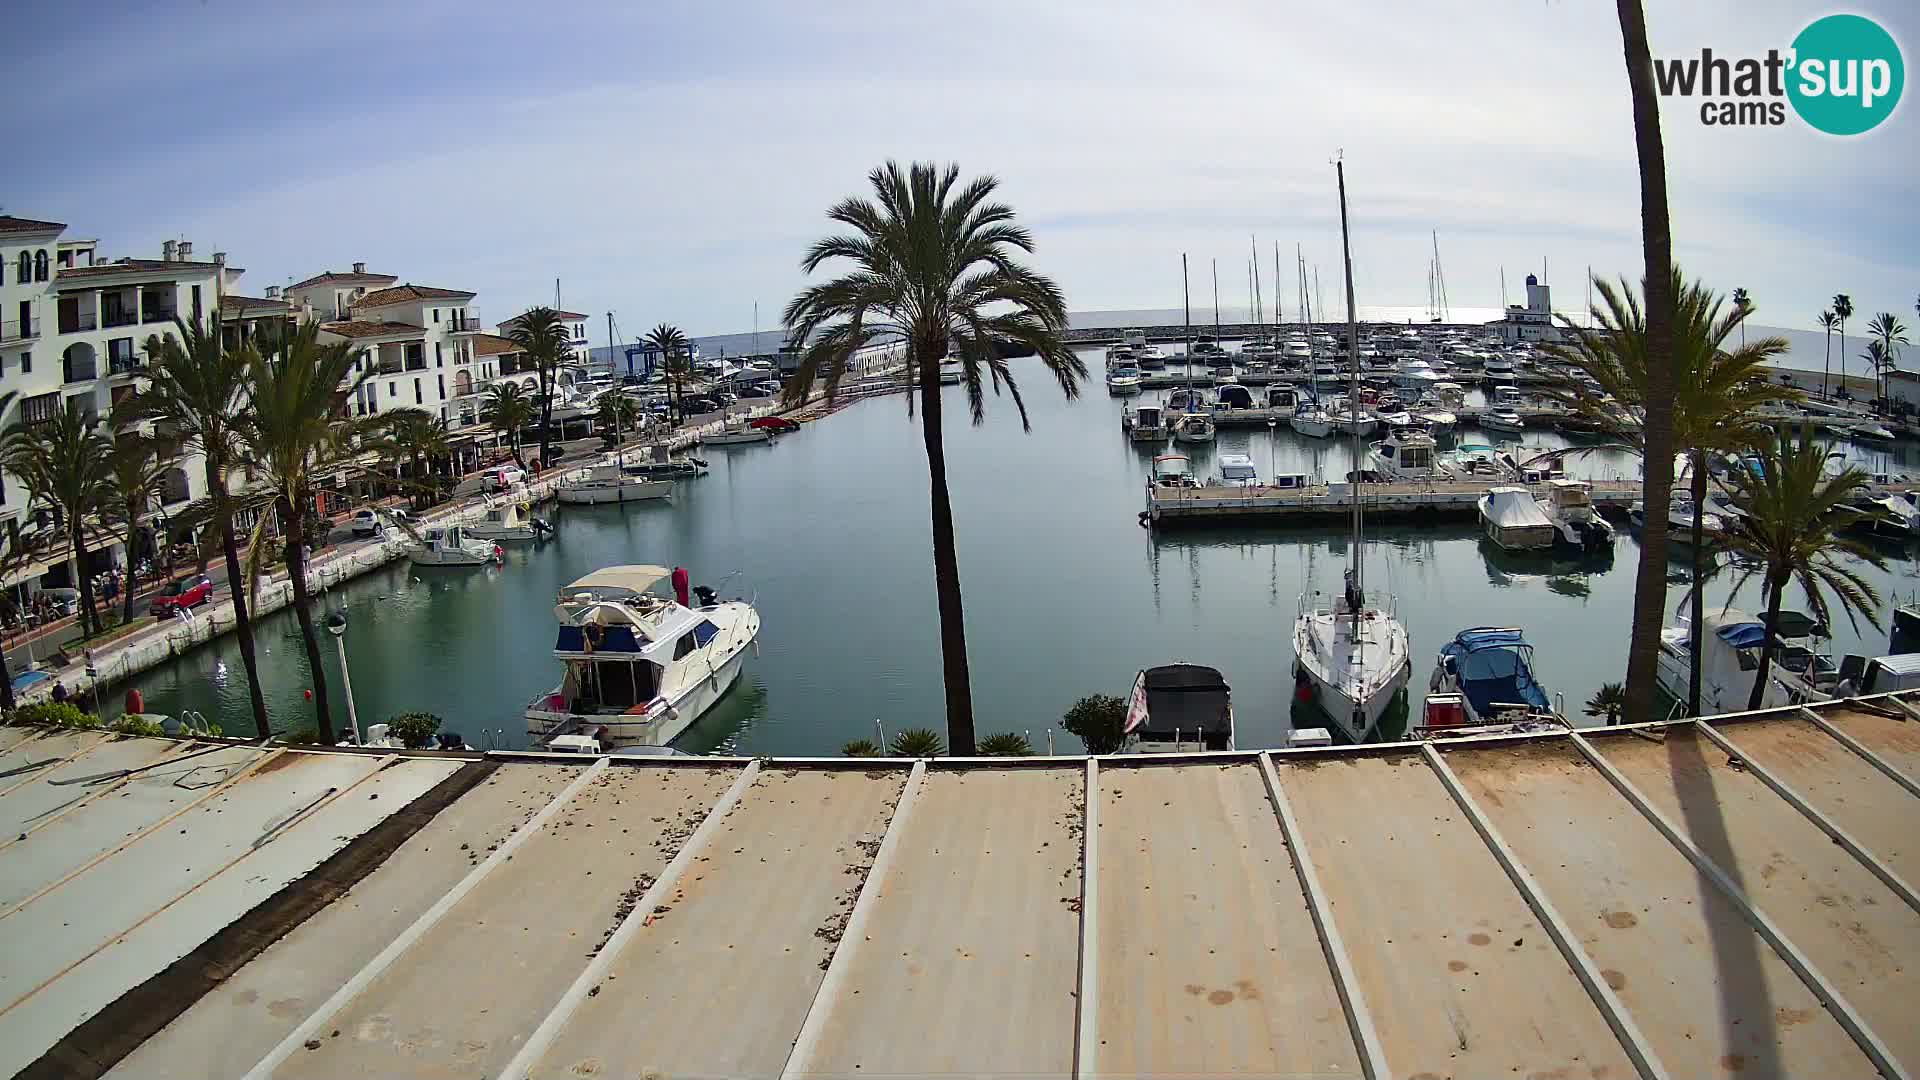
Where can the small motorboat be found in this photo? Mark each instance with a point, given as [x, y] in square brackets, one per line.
[1238, 470]
[737, 436]
[1193, 427]
[1872, 434]
[1123, 379]
[509, 520]
[1570, 507]
[611, 484]
[779, 425]
[1406, 456]
[1172, 471]
[1680, 521]
[1179, 709]
[1502, 420]
[452, 546]
[952, 372]
[1232, 395]
[1889, 515]
[1514, 520]
[1148, 424]
[1490, 668]
[666, 468]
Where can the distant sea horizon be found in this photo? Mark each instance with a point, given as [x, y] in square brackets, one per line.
[1806, 349]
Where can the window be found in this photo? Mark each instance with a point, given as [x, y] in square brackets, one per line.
[25, 273]
[438, 359]
[196, 302]
[40, 265]
[393, 389]
[66, 260]
[685, 645]
[441, 382]
[26, 363]
[705, 632]
[436, 314]
[418, 397]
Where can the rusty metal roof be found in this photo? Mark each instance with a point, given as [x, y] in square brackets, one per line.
[1716, 898]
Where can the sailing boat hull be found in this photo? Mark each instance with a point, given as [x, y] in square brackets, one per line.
[1354, 679]
[1313, 427]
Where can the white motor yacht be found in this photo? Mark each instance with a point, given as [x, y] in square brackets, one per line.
[737, 435]
[1238, 470]
[1502, 420]
[1889, 515]
[1150, 357]
[1172, 471]
[1148, 424]
[952, 372]
[640, 667]
[1193, 427]
[1570, 507]
[1680, 521]
[1406, 456]
[1123, 379]
[451, 546]
[611, 484]
[1311, 420]
[1803, 669]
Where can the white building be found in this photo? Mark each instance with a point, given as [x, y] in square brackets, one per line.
[576, 333]
[417, 338]
[1533, 322]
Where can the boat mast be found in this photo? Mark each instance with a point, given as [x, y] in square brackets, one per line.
[1186, 298]
[1355, 562]
[1259, 308]
[1216, 303]
[1277, 305]
[1306, 317]
[613, 346]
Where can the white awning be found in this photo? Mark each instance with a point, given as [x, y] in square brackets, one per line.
[638, 577]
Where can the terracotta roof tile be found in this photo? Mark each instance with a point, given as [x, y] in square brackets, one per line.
[493, 345]
[401, 294]
[355, 328]
[332, 278]
[233, 305]
[11, 224]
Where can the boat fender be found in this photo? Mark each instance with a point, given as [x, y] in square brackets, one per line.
[1145, 519]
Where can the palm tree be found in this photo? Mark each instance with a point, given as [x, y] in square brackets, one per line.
[63, 465]
[508, 411]
[17, 553]
[1877, 362]
[197, 388]
[1891, 336]
[918, 742]
[618, 413]
[1607, 703]
[1742, 303]
[1842, 310]
[1006, 744]
[673, 359]
[296, 436]
[935, 271]
[1656, 241]
[543, 335]
[1716, 393]
[1789, 530]
[137, 477]
[417, 437]
[1828, 322]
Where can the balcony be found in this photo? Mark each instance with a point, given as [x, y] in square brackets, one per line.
[467, 322]
[120, 317]
[390, 367]
[77, 322]
[158, 315]
[118, 366]
[20, 330]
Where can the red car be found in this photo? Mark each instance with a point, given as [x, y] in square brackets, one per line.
[186, 593]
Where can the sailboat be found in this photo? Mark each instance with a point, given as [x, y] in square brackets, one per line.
[1310, 417]
[1193, 424]
[1355, 656]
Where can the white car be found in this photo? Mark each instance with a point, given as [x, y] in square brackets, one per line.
[501, 478]
[365, 524]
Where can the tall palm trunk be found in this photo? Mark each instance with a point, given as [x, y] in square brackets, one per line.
[1843, 354]
[1650, 585]
[303, 610]
[1776, 585]
[1697, 617]
[129, 586]
[89, 617]
[236, 584]
[1826, 371]
[946, 563]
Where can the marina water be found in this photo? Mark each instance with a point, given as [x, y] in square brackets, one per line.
[1066, 594]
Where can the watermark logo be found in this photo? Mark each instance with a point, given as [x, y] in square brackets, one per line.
[1843, 75]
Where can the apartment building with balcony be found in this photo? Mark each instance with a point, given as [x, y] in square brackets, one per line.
[417, 341]
[576, 333]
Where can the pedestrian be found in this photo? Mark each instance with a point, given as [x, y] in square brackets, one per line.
[59, 692]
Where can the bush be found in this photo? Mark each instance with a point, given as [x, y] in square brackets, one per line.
[860, 748]
[1100, 722]
[1006, 744]
[57, 713]
[305, 736]
[135, 724]
[918, 742]
[415, 730]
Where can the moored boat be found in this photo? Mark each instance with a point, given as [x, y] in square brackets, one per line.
[1570, 508]
[452, 546]
[640, 667]
[1193, 427]
[508, 521]
[1148, 424]
[1490, 669]
[1179, 709]
[611, 484]
[1513, 519]
[1502, 420]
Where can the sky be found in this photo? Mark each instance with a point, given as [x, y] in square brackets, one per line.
[671, 161]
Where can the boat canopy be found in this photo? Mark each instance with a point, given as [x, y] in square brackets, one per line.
[637, 577]
[1189, 698]
[1491, 665]
[1237, 467]
[1746, 635]
[1514, 508]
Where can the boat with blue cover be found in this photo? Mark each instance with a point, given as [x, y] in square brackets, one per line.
[1490, 668]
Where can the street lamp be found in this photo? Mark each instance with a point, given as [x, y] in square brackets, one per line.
[1273, 451]
[337, 626]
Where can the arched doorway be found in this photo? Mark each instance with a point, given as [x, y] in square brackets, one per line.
[79, 363]
[462, 383]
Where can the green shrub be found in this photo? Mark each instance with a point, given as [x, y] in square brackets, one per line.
[1006, 744]
[1100, 721]
[414, 729]
[859, 748]
[57, 713]
[135, 724]
[305, 736]
[918, 742]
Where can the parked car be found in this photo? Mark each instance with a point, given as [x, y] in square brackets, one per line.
[501, 477]
[757, 390]
[182, 595]
[366, 524]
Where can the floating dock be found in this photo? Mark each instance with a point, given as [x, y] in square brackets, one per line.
[1216, 503]
[1717, 897]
